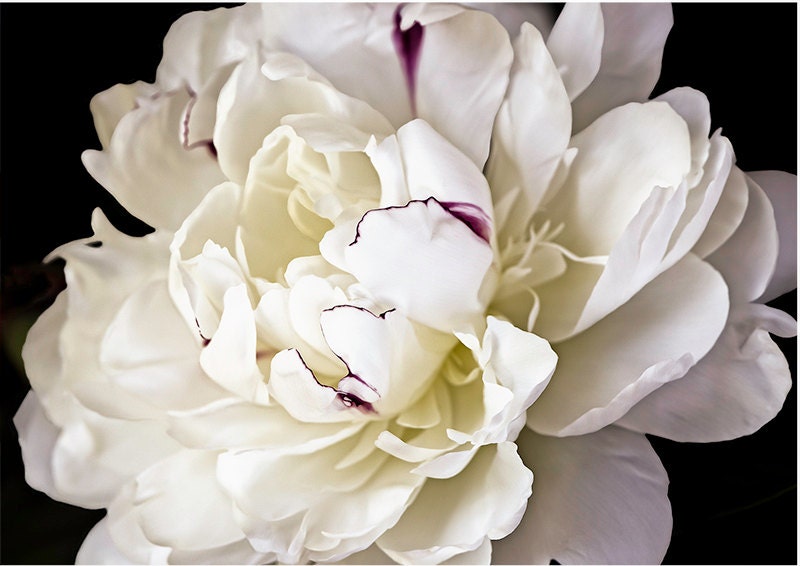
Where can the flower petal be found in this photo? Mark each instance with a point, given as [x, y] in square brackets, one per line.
[737, 388]
[603, 193]
[633, 44]
[163, 496]
[454, 516]
[597, 499]
[532, 129]
[37, 439]
[781, 188]
[747, 259]
[576, 43]
[652, 339]
[147, 167]
[462, 77]
[200, 43]
[422, 260]
[98, 547]
[230, 357]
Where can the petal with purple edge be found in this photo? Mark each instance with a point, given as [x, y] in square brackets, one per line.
[439, 284]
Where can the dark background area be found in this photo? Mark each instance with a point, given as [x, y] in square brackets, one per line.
[733, 502]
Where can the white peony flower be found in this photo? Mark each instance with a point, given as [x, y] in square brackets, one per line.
[402, 257]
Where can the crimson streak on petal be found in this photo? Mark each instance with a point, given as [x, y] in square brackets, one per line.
[408, 46]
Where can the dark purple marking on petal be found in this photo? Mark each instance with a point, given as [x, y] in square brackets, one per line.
[348, 400]
[208, 144]
[408, 46]
[353, 401]
[471, 215]
[206, 341]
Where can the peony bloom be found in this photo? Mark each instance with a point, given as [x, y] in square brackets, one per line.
[380, 293]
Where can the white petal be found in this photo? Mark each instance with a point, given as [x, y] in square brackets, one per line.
[454, 516]
[37, 439]
[693, 107]
[251, 106]
[597, 499]
[294, 386]
[231, 424]
[727, 215]
[652, 339]
[781, 188]
[663, 231]
[108, 107]
[230, 357]
[287, 510]
[621, 157]
[747, 259]
[149, 351]
[512, 15]
[576, 43]
[389, 361]
[633, 44]
[739, 386]
[99, 548]
[164, 495]
[532, 129]
[147, 166]
[462, 77]
[422, 260]
[200, 43]
[431, 166]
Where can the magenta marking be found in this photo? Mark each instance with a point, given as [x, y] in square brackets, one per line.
[408, 46]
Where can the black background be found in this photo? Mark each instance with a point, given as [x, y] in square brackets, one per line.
[733, 502]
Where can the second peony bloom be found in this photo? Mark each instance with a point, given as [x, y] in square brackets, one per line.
[401, 258]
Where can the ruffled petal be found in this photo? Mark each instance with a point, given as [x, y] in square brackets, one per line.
[781, 188]
[200, 43]
[633, 45]
[422, 260]
[460, 75]
[652, 339]
[597, 499]
[251, 105]
[737, 388]
[148, 167]
[453, 516]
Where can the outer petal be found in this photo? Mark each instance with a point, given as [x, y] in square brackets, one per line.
[576, 43]
[147, 166]
[737, 388]
[99, 548]
[163, 496]
[37, 439]
[200, 43]
[423, 260]
[454, 516]
[597, 499]
[781, 188]
[630, 64]
[747, 259]
[652, 339]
